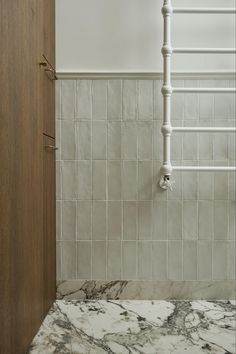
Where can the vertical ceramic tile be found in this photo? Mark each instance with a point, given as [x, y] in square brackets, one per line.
[190, 218]
[58, 99]
[145, 175]
[159, 259]
[129, 180]
[99, 140]
[58, 261]
[114, 109]
[69, 178]
[221, 186]
[68, 99]
[58, 180]
[220, 220]
[84, 254]
[205, 146]
[190, 146]
[69, 221]
[145, 101]
[129, 141]
[114, 140]
[219, 260]
[205, 220]
[206, 105]
[68, 260]
[157, 141]
[159, 220]
[99, 260]
[177, 102]
[190, 260]
[191, 102]
[145, 220]
[58, 139]
[114, 180]
[175, 260]
[158, 100]
[220, 147]
[84, 99]
[99, 99]
[145, 137]
[99, 220]
[114, 260]
[67, 140]
[231, 261]
[174, 220]
[114, 221]
[232, 219]
[190, 185]
[83, 140]
[129, 260]
[130, 94]
[84, 180]
[58, 219]
[205, 260]
[205, 185]
[84, 220]
[144, 260]
[99, 180]
[129, 220]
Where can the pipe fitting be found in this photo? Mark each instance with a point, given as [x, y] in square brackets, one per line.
[167, 9]
[166, 90]
[166, 50]
[166, 170]
[166, 129]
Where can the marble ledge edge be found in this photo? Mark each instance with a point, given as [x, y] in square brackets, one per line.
[146, 290]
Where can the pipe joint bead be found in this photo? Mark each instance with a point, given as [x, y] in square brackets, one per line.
[166, 50]
[166, 129]
[167, 9]
[166, 90]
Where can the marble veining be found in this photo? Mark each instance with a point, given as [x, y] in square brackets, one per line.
[145, 290]
[137, 326]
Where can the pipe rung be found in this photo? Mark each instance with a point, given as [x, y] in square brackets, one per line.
[205, 168]
[204, 10]
[203, 90]
[204, 50]
[204, 129]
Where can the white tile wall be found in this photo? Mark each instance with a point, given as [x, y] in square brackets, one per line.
[113, 220]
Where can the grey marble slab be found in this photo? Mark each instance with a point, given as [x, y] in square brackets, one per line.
[134, 326]
[146, 290]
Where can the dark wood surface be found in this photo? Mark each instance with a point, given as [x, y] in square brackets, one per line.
[22, 155]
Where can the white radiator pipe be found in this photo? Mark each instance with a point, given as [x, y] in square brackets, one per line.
[203, 90]
[167, 89]
[204, 50]
[204, 129]
[205, 168]
[204, 10]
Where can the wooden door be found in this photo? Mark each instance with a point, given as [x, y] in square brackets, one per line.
[49, 30]
[49, 197]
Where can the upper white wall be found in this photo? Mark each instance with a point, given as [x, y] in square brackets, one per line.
[126, 35]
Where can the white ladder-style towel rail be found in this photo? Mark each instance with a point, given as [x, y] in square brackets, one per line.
[203, 90]
[205, 168]
[204, 129]
[167, 91]
[204, 50]
[204, 11]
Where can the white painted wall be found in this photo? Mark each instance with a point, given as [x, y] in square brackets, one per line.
[126, 35]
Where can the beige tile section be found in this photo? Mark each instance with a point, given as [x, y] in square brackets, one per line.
[190, 220]
[114, 180]
[68, 260]
[144, 260]
[159, 259]
[83, 260]
[144, 220]
[129, 180]
[99, 180]
[84, 180]
[205, 260]
[130, 96]
[99, 220]
[84, 220]
[98, 260]
[99, 140]
[83, 140]
[129, 220]
[114, 220]
[114, 260]
[129, 260]
[68, 99]
[175, 260]
[160, 220]
[190, 260]
[84, 99]
[114, 140]
[145, 100]
[99, 99]
[114, 108]
[69, 221]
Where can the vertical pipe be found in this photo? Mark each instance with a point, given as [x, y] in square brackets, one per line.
[167, 88]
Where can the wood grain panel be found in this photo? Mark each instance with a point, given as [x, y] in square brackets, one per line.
[22, 245]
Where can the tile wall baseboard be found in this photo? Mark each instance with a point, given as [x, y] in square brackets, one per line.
[145, 290]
